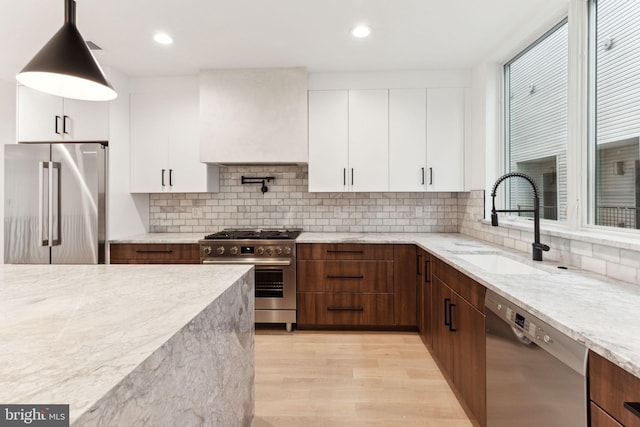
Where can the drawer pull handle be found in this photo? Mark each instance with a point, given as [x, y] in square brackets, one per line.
[451, 328]
[345, 308]
[345, 277]
[427, 271]
[340, 251]
[154, 251]
[633, 407]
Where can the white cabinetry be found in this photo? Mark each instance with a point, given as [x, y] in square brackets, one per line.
[368, 140]
[165, 137]
[254, 116]
[445, 139]
[46, 118]
[407, 139]
[328, 140]
[348, 140]
[386, 140]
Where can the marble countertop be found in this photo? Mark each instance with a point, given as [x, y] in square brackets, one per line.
[592, 309]
[155, 238]
[70, 333]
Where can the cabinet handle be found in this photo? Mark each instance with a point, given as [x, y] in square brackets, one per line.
[430, 176]
[56, 124]
[345, 277]
[342, 251]
[427, 271]
[446, 311]
[422, 173]
[154, 251]
[451, 328]
[633, 407]
[64, 125]
[170, 177]
[344, 177]
[345, 309]
[163, 177]
[352, 176]
[419, 265]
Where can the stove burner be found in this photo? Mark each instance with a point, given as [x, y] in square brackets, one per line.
[267, 234]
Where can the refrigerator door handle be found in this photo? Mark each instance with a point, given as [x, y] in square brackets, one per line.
[55, 240]
[41, 208]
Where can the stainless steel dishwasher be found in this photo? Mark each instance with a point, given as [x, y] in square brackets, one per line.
[536, 375]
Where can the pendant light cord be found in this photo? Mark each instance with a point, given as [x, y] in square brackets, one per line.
[70, 12]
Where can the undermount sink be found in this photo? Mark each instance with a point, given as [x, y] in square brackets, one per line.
[499, 264]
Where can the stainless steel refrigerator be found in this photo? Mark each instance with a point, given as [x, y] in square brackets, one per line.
[54, 203]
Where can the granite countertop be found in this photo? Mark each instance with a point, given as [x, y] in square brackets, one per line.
[156, 238]
[89, 326]
[592, 309]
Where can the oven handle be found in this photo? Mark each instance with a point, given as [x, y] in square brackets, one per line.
[283, 262]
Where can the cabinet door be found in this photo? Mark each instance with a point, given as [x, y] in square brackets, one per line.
[442, 336]
[469, 357]
[445, 139]
[427, 300]
[328, 140]
[407, 139]
[405, 267]
[149, 142]
[39, 116]
[368, 140]
[186, 173]
[85, 120]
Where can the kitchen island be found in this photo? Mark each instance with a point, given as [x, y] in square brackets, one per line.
[156, 345]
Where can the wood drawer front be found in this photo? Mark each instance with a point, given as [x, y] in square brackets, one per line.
[344, 251]
[470, 290]
[345, 309]
[345, 276]
[445, 272]
[154, 253]
[599, 418]
[611, 386]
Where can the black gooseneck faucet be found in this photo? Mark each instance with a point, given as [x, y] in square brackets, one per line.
[537, 246]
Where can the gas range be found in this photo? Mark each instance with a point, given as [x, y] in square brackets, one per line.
[273, 254]
[249, 243]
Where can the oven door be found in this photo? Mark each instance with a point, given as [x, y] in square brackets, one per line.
[275, 281]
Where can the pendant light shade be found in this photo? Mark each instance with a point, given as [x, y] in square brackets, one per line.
[66, 67]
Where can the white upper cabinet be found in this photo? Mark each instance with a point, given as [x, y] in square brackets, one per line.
[407, 139]
[328, 140]
[368, 140]
[47, 118]
[165, 137]
[445, 139]
[253, 116]
[348, 141]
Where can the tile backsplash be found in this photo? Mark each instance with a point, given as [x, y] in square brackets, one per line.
[289, 204]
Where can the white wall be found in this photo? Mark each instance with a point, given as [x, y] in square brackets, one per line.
[7, 136]
[127, 214]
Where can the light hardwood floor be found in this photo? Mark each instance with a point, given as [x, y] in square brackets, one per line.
[354, 379]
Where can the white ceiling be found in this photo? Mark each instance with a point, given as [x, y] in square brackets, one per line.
[407, 34]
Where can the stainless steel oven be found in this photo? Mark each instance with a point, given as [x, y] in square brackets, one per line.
[273, 253]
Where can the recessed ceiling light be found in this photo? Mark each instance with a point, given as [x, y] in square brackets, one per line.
[361, 31]
[163, 38]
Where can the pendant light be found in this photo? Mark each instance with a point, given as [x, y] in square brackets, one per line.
[66, 67]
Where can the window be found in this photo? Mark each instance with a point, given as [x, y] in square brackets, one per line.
[536, 123]
[614, 161]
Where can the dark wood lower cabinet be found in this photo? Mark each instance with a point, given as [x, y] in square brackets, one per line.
[600, 418]
[458, 338]
[157, 253]
[345, 309]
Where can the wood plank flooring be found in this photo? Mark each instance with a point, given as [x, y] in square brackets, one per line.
[355, 379]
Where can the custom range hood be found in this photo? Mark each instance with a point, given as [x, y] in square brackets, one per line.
[255, 116]
[66, 67]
